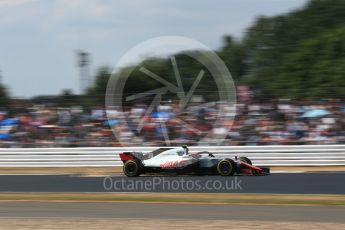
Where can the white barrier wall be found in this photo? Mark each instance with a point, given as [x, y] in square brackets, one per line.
[291, 155]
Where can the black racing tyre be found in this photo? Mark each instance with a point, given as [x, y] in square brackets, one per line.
[131, 168]
[226, 167]
[245, 160]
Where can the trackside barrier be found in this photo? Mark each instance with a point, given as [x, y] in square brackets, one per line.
[291, 155]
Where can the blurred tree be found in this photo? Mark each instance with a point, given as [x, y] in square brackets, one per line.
[67, 98]
[298, 55]
[272, 41]
[317, 65]
[4, 97]
[234, 56]
[95, 95]
[188, 68]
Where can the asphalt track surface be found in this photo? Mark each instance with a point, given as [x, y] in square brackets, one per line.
[171, 211]
[279, 183]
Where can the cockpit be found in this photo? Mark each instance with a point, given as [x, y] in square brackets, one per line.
[173, 152]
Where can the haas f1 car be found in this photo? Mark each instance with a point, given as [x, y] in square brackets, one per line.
[181, 161]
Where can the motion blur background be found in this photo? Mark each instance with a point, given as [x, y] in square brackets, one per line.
[287, 59]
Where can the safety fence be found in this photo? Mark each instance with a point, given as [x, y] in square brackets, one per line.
[290, 155]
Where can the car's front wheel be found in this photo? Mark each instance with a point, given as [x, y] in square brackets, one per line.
[131, 168]
[226, 167]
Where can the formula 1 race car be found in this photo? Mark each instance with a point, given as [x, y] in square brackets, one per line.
[181, 161]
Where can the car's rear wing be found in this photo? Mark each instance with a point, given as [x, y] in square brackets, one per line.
[126, 156]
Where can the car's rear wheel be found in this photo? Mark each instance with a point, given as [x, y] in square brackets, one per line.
[226, 167]
[245, 160]
[131, 168]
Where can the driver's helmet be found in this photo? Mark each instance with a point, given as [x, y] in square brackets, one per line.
[186, 149]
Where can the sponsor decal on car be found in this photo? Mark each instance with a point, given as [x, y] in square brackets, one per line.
[174, 164]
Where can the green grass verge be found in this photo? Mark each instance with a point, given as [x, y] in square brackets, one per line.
[319, 200]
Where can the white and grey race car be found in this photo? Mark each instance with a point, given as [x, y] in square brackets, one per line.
[181, 161]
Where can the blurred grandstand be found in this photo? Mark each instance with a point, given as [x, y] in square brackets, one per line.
[284, 122]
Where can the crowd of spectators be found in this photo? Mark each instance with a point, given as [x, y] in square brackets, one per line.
[256, 123]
